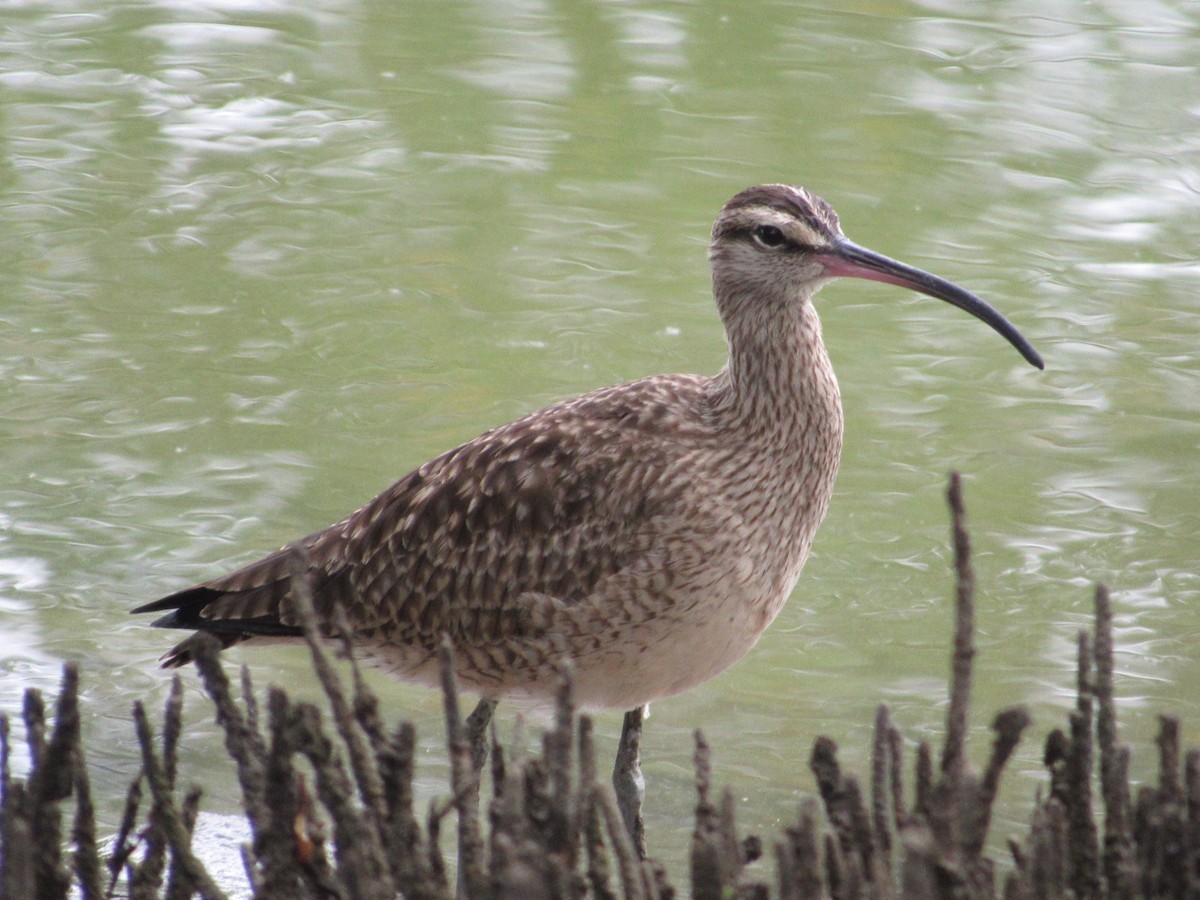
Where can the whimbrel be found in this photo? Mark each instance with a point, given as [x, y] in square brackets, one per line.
[650, 531]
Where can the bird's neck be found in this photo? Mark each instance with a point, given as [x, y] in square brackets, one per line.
[779, 384]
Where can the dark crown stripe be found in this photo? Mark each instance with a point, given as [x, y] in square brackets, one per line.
[795, 202]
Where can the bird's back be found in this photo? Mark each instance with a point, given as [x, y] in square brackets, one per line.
[578, 523]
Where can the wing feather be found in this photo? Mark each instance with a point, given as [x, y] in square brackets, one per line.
[548, 506]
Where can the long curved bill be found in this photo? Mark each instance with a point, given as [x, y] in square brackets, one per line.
[847, 259]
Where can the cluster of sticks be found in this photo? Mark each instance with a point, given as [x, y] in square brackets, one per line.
[554, 831]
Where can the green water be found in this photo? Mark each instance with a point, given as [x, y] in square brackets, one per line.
[257, 260]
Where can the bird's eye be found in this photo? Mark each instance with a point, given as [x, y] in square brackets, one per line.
[769, 236]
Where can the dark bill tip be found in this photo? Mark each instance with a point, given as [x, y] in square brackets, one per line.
[848, 260]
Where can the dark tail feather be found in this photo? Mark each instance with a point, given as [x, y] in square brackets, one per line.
[181, 654]
[230, 616]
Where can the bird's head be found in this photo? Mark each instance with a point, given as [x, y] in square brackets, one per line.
[775, 245]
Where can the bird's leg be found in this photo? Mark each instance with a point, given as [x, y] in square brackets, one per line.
[627, 778]
[477, 732]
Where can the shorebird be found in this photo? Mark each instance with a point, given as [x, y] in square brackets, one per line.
[649, 532]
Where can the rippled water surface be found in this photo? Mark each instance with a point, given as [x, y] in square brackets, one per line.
[257, 260]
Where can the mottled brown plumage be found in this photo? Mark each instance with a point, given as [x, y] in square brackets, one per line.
[649, 531]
